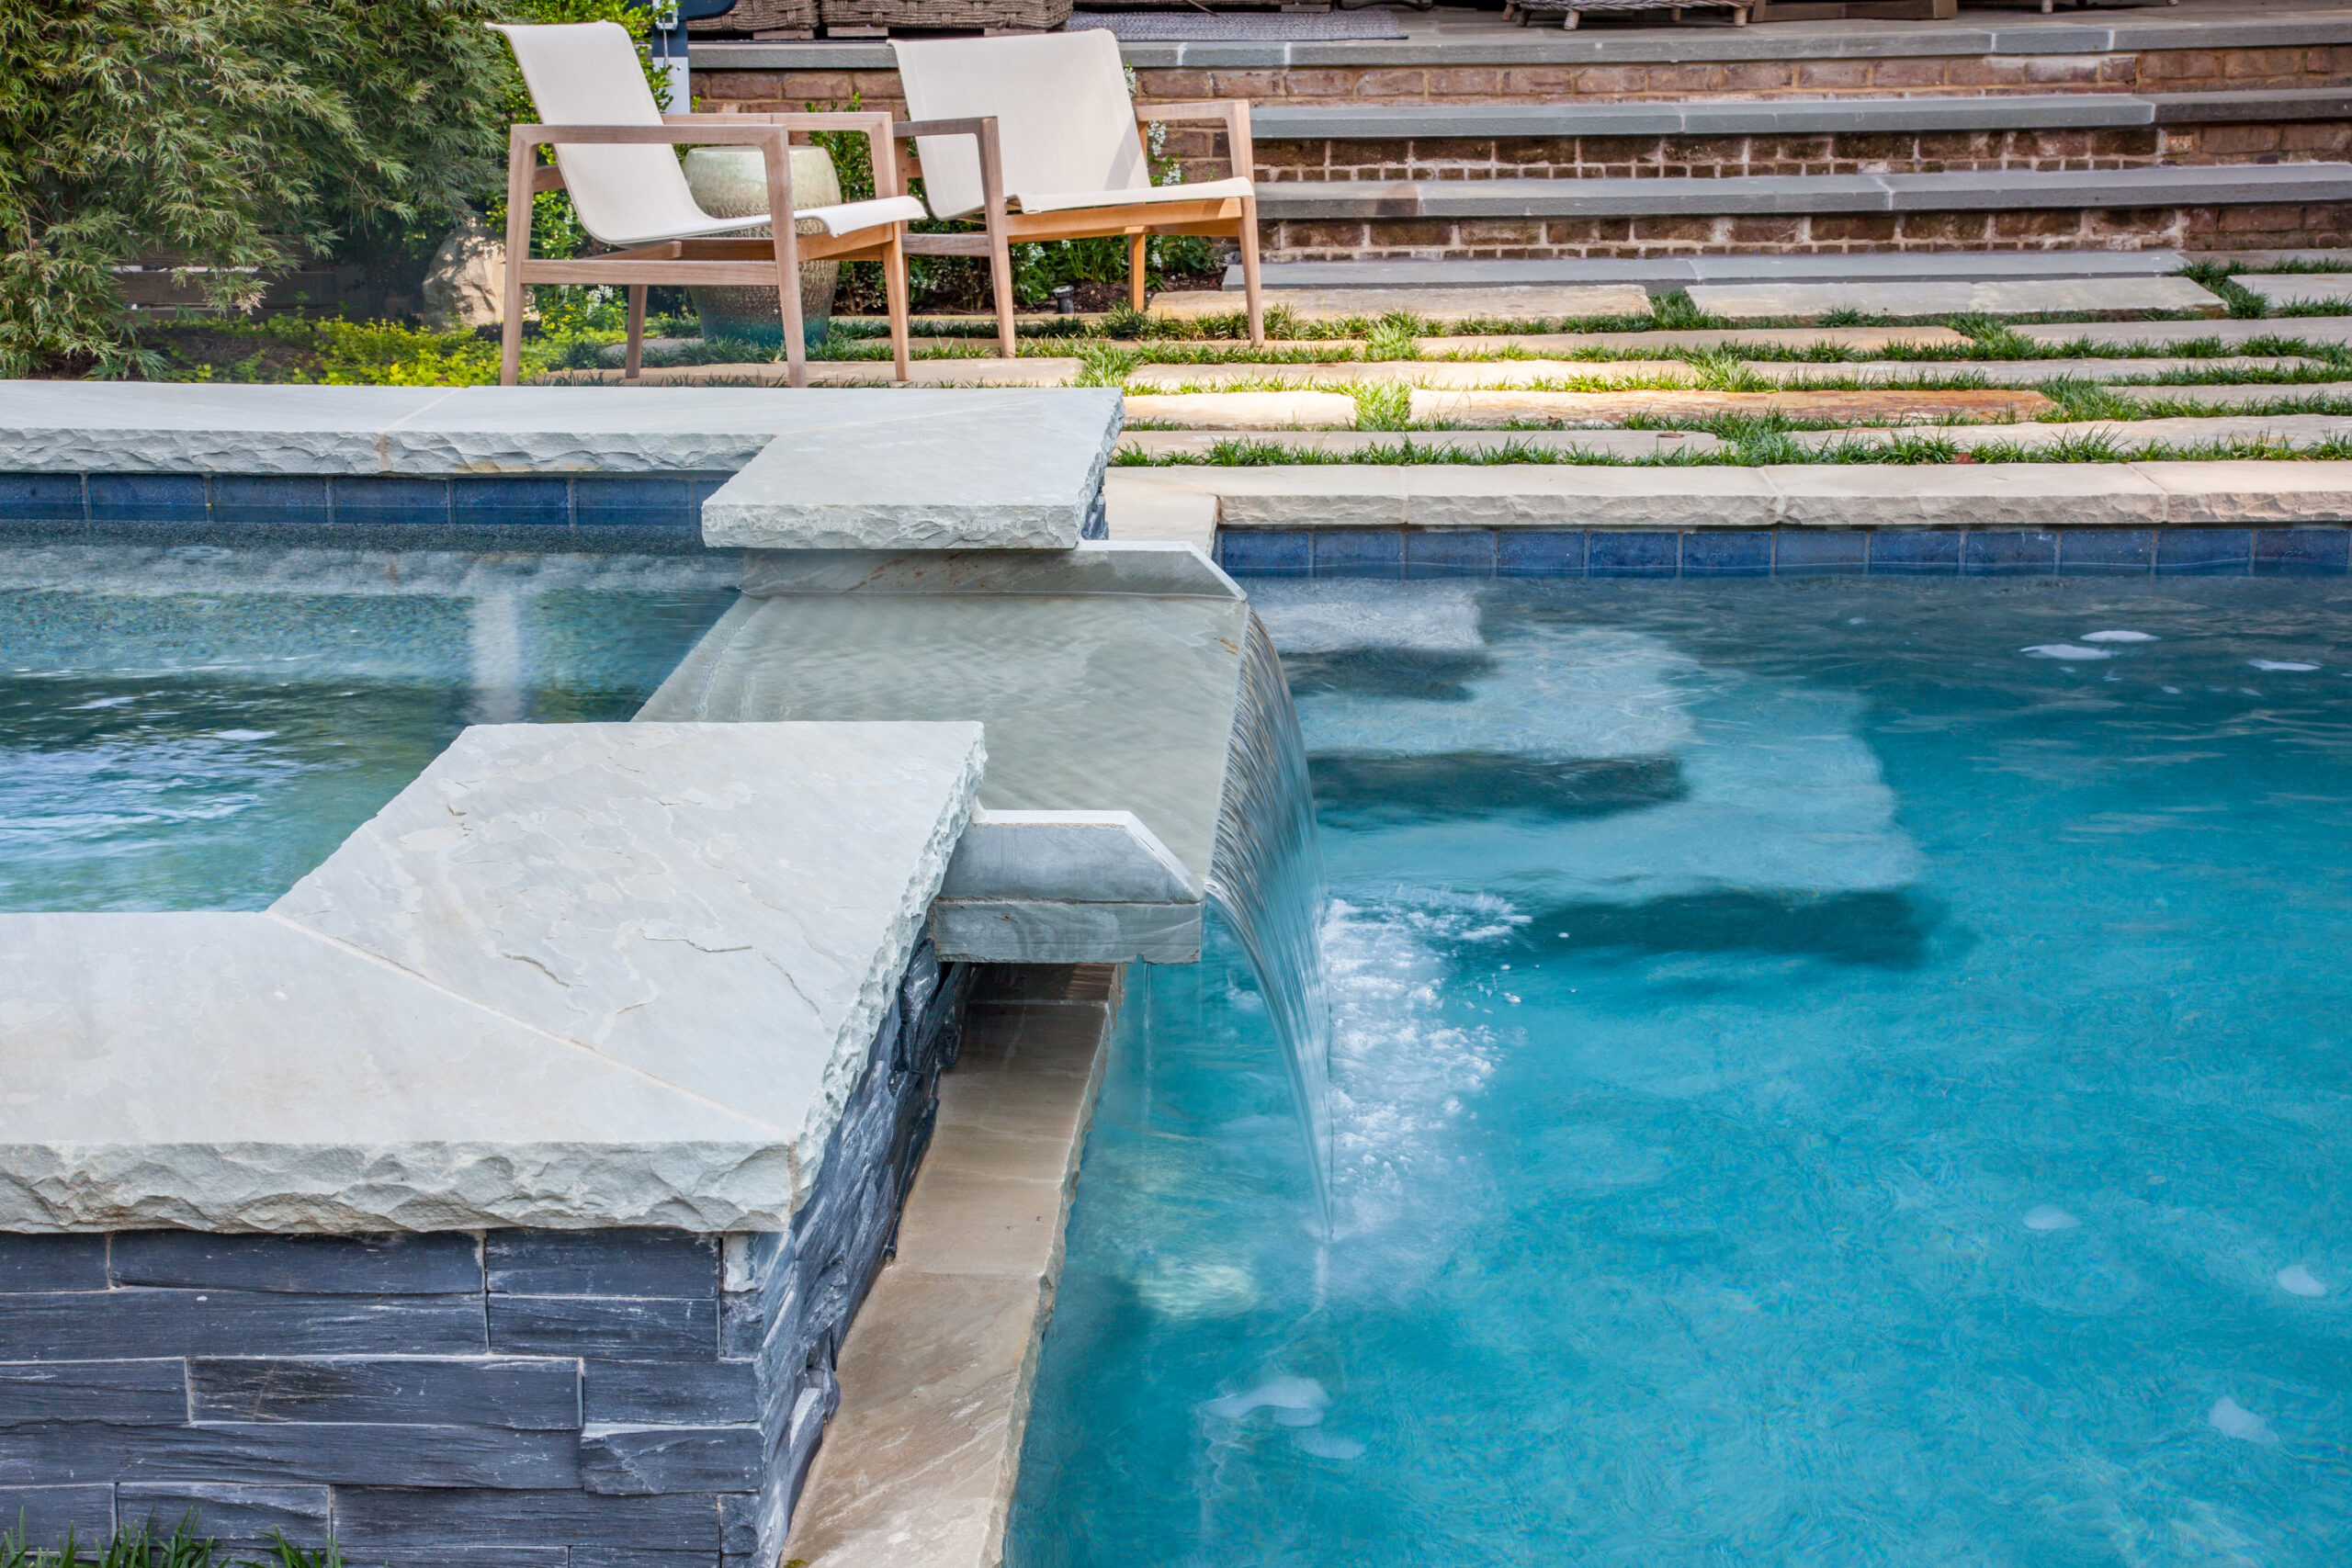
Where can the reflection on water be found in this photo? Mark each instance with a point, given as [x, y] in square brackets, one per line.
[196, 728]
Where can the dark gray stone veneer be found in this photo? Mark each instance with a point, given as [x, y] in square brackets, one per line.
[575, 1399]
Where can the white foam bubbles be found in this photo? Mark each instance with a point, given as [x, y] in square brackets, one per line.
[1283, 1394]
[1324, 1444]
[2071, 653]
[2298, 1280]
[2049, 1217]
[243, 734]
[2119, 637]
[2292, 666]
[2234, 1420]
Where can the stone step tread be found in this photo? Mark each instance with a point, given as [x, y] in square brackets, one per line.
[2005, 297]
[2281, 287]
[1500, 373]
[1291, 121]
[1612, 408]
[1451, 41]
[2234, 184]
[1304, 409]
[2333, 330]
[2294, 430]
[2237, 395]
[1244, 411]
[1674, 271]
[1616, 443]
[1508, 304]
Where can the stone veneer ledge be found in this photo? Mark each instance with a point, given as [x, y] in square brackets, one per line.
[910, 468]
[575, 975]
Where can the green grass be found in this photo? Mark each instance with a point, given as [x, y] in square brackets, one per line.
[1382, 405]
[1106, 364]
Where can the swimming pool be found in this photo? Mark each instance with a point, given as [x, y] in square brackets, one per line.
[195, 728]
[1825, 1072]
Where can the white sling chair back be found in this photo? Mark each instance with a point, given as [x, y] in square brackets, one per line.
[1065, 148]
[619, 163]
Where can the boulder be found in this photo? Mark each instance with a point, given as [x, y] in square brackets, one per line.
[463, 286]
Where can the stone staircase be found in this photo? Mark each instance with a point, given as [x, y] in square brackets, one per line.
[2214, 126]
[1425, 181]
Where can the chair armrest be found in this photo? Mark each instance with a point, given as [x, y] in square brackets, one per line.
[707, 130]
[716, 130]
[876, 128]
[982, 130]
[1241, 158]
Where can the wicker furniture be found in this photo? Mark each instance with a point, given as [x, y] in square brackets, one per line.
[1524, 11]
[989, 16]
[614, 152]
[785, 18]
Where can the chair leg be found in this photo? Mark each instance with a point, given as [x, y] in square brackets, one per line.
[1253, 295]
[894, 289]
[795, 347]
[1001, 282]
[1137, 249]
[636, 352]
[520, 168]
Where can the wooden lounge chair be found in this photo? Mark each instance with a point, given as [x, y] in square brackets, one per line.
[614, 152]
[1038, 137]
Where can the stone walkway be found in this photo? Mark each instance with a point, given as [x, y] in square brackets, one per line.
[1193, 394]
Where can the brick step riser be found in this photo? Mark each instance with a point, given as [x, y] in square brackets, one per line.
[2139, 71]
[1733, 157]
[2193, 229]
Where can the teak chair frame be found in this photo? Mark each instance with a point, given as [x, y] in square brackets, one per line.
[1231, 217]
[718, 262]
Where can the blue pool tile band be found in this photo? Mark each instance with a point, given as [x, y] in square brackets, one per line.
[1410, 554]
[596, 510]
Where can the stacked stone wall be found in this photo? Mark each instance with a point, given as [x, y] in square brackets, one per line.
[631, 1398]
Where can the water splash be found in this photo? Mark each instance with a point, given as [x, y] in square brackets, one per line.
[1266, 876]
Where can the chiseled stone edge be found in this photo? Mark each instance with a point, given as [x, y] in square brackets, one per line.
[421, 1185]
[1038, 930]
[340, 1188]
[846, 1060]
[761, 507]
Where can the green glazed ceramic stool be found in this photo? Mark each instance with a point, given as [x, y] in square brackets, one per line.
[729, 182]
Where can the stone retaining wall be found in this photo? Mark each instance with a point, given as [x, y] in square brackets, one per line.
[2059, 229]
[627, 1398]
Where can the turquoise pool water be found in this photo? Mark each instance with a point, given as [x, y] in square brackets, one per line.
[195, 728]
[1826, 1073]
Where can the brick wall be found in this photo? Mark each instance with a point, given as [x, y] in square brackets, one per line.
[510, 1399]
[1733, 157]
[2149, 70]
[2198, 229]
[1698, 157]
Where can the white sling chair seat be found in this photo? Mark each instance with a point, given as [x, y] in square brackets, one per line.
[1064, 123]
[637, 195]
[1203, 190]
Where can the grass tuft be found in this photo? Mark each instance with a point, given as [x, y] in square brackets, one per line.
[1101, 364]
[1382, 405]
